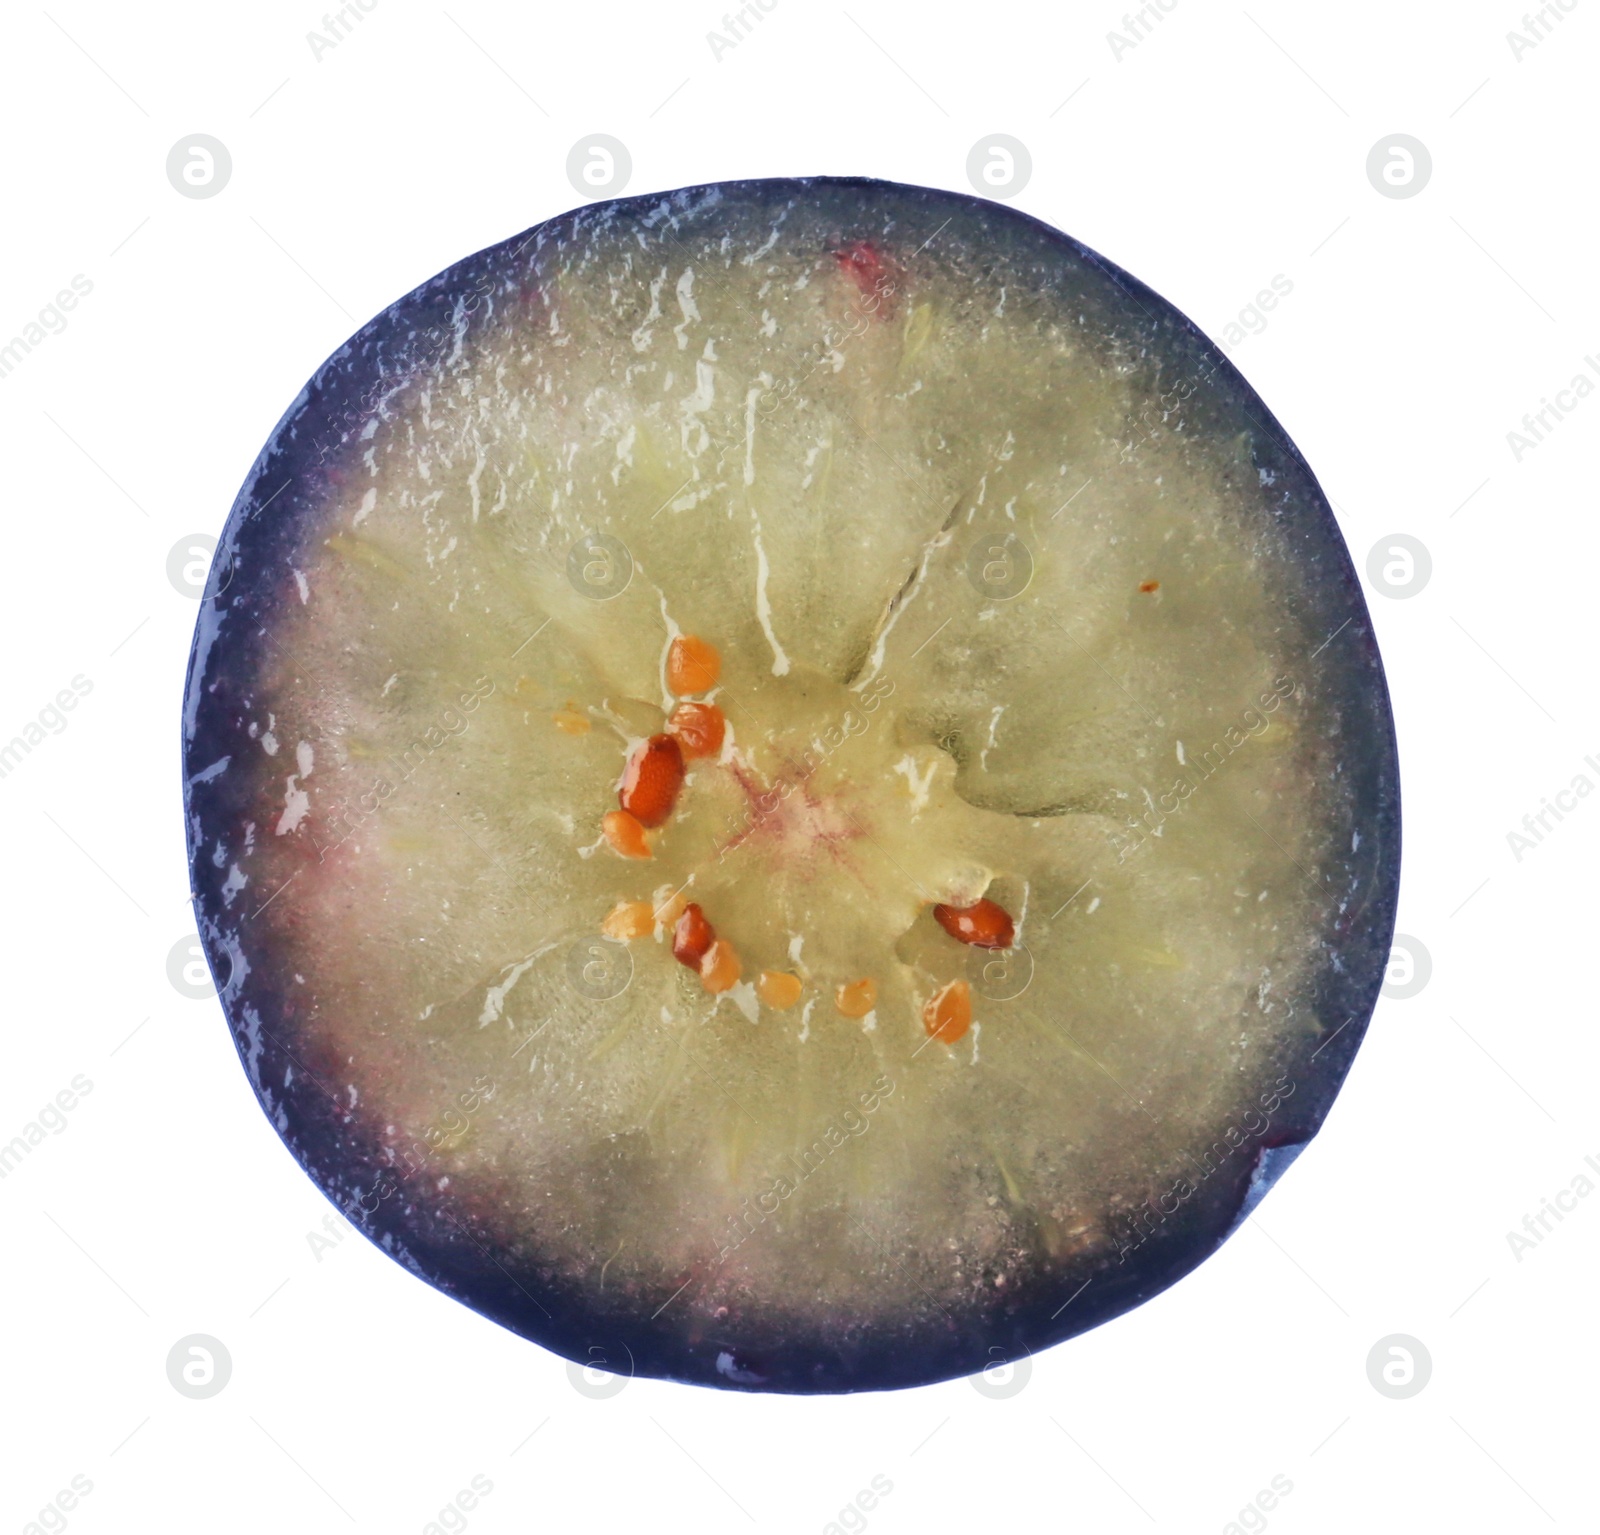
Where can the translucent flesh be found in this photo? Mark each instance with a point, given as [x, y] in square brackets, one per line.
[802, 481]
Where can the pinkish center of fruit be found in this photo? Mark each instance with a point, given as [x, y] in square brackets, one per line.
[788, 819]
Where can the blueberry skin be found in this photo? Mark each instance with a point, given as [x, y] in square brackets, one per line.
[287, 484]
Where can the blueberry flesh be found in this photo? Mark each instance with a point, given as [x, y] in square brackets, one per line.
[1018, 595]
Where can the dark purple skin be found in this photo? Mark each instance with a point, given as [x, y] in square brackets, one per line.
[286, 483]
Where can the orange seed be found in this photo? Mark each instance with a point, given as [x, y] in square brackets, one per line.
[629, 919]
[779, 989]
[699, 729]
[947, 1014]
[984, 924]
[719, 966]
[651, 781]
[625, 834]
[693, 665]
[855, 999]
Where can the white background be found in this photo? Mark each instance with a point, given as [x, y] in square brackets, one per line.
[1206, 160]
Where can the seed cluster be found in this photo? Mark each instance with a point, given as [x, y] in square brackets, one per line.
[652, 780]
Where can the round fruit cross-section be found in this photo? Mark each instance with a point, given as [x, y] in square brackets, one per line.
[789, 786]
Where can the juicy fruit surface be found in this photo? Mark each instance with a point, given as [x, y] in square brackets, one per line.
[799, 797]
